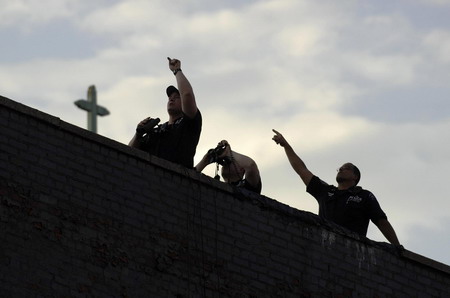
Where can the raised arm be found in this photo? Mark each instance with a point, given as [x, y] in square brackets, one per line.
[296, 162]
[188, 104]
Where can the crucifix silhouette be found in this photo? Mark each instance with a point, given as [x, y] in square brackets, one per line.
[90, 105]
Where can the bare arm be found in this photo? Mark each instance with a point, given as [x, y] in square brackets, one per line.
[296, 162]
[188, 104]
[135, 142]
[388, 231]
[202, 163]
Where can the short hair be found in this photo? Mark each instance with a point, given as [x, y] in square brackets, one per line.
[357, 174]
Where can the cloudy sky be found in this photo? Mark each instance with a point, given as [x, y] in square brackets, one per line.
[359, 81]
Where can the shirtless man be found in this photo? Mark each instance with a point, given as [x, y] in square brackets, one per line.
[237, 169]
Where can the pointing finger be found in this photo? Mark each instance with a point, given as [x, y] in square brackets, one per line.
[276, 132]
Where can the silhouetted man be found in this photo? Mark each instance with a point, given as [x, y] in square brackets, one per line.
[237, 169]
[347, 205]
[176, 140]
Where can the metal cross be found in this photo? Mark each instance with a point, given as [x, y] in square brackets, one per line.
[90, 105]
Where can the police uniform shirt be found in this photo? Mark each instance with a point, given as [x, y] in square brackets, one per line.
[176, 142]
[351, 208]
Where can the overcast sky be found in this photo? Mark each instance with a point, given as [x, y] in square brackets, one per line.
[359, 81]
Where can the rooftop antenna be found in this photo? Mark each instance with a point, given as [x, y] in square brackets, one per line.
[90, 105]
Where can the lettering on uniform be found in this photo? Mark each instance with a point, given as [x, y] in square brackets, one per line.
[355, 199]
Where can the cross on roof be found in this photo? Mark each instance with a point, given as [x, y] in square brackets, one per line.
[90, 105]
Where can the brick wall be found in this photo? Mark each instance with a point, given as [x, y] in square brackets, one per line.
[85, 216]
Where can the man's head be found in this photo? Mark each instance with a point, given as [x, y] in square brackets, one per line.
[348, 172]
[174, 101]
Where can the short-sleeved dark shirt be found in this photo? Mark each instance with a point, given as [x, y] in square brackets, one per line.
[351, 208]
[175, 142]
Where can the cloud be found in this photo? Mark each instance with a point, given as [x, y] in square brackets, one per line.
[300, 40]
[436, 2]
[438, 43]
[124, 18]
[386, 70]
[27, 15]
[432, 239]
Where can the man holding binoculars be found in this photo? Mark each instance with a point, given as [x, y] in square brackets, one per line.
[237, 169]
[176, 140]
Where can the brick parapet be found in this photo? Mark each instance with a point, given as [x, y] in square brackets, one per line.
[83, 215]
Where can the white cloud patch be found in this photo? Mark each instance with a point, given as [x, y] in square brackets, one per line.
[438, 43]
[436, 2]
[301, 40]
[124, 18]
[28, 13]
[389, 70]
